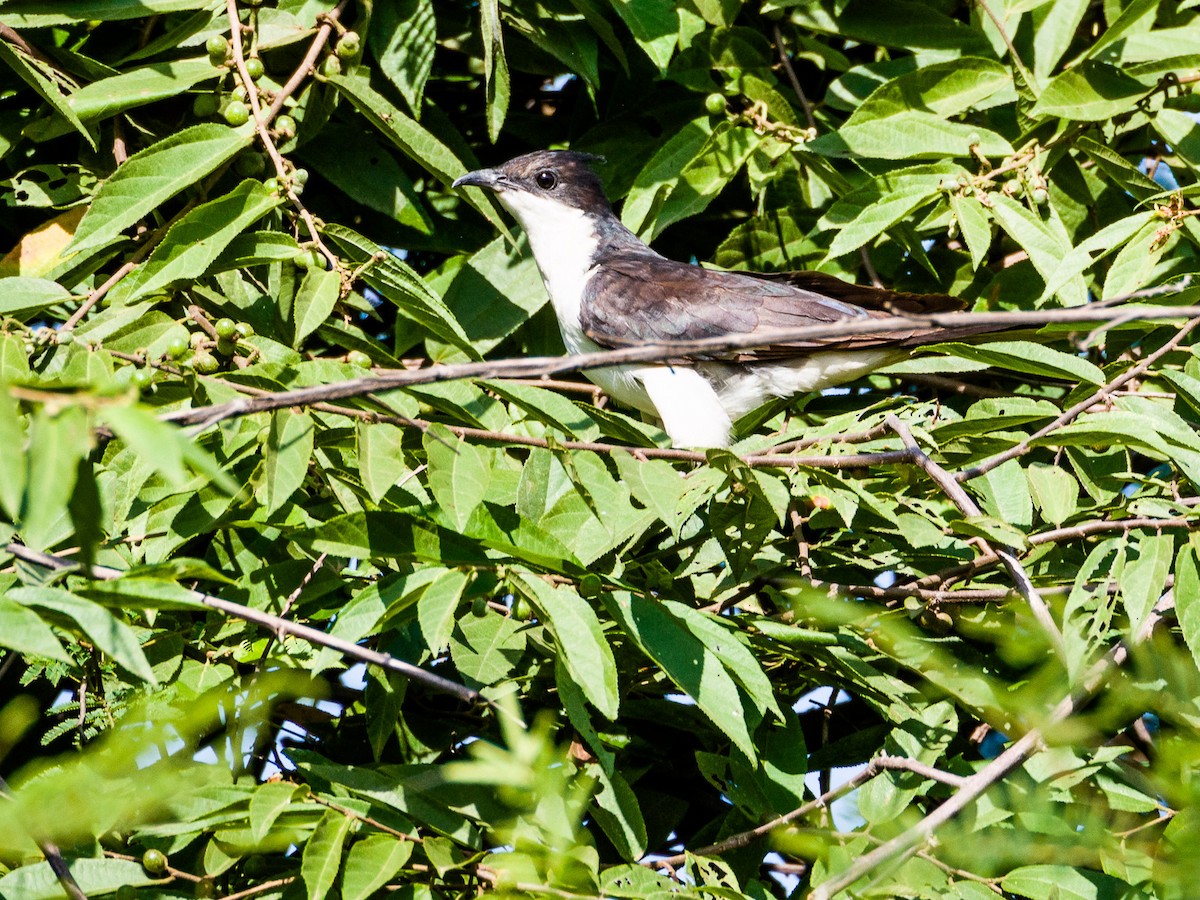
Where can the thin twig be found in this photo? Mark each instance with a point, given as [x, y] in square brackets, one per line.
[791, 74]
[292, 598]
[974, 786]
[305, 69]
[271, 622]
[1007, 555]
[1079, 408]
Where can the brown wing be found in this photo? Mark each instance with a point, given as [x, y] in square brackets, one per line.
[634, 298]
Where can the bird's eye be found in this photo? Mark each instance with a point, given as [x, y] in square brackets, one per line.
[546, 179]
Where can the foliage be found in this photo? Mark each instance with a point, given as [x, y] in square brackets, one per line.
[645, 629]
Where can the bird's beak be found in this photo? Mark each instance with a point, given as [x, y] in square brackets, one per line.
[484, 178]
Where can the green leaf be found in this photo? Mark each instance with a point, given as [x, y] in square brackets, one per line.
[1144, 579]
[1091, 92]
[166, 448]
[403, 36]
[288, 450]
[391, 535]
[706, 175]
[868, 211]
[56, 445]
[21, 629]
[402, 286]
[1005, 494]
[580, 640]
[495, 67]
[692, 666]
[323, 854]
[151, 177]
[1054, 491]
[314, 302]
[654, 25]
[459, 474]
[34, 73]
[1050, 882]
[1026, 356]
[95, 877]
[616, 809]
[437, 606]
[1135, 264]
[32, 13]
[371, 863]
[658, 177]
[107, 632]
[975, 224]
[1054, 33]
[1187, 595]
[267, 802]
[486, 649]
[1046, 242]
[380, 461]
[195, 241]
[21, 297]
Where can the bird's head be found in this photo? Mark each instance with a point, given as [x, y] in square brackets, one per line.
[538, 188]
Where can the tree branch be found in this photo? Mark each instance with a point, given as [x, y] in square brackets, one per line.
[275, 624]
[662, 352]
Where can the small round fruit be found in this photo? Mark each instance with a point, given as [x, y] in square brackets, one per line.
[479, 606]
[205, 888]
[254, 67]
[251, 164]
[154, 862]
[177, 348]
[715, 104]
[226, 346]
[285, 127]
[272, 185]
[196, 338]
[205, 363]
[143, 378]
[348, 45]
[331, 66]
[237, 113]
[218, 49]
[359, 359]
[125, 892]
[225, 328]
[205, 106]
[244, 330]
[522, 610]
[64, 337]
[300, 176]
[1039, 196]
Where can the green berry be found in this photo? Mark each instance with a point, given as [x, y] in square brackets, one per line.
[65, 336]
[226, 346]
[205, 363]
[251, 164]
[244, 330]
[125, 892]
[331, 66]
[479, 606]
[590, 585]
[1039, 196]
[196, 338]
[143, 378]
[359, 359]
[225, 328]
[154, 862]
[715, 104]
[348, 45]
[205, 106]
[300, 176]
[285, 127]
[218, 49]
[254, 66]
[272, 185]
[177, 348]
[522, 610]
[237, 113]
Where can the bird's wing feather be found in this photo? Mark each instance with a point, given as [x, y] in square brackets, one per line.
[632, 298]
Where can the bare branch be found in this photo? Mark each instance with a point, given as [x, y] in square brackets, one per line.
[1007, 555]
[274, 624]
[532, 367]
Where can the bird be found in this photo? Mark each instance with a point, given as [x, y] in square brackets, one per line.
[609, 290]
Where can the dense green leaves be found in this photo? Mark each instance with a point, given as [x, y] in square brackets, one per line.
[309, 634]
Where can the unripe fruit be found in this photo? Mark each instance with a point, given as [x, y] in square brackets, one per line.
[1039, 196]
[331, 66]
[65, 337]
[218, 49]
[177, 348]
[272, 185]
[205, 363]
[154, 862]
[195, 339]
[254, 66]
[715, 104]
[245, 330]
[348, 45]
[300, 176]
[225, 328]
[205, 106]
[226, 346]
[479, 606]
[285, 127]
[143, 378]
[237, 113]
[359, 359]
[522, 610]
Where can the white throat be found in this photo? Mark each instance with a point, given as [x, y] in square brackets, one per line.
[564, 241]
